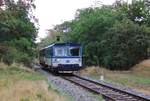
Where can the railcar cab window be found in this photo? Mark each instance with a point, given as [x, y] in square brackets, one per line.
[60, 51]
[74, 51]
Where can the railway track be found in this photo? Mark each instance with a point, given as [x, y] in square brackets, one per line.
[109, 92]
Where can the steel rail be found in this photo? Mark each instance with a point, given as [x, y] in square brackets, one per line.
[144, 97]
[109, 92]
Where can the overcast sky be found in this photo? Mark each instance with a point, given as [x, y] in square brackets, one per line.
[52, 12]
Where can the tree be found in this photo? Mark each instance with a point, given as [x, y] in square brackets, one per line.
[17, 32]
[50, 39]
[88, 28]
[125, 44]
[137, 11]
[115, 36]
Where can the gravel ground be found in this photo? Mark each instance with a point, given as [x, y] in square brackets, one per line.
[77, 93]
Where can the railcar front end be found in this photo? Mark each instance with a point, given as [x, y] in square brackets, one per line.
[67, 57]
[63, 57]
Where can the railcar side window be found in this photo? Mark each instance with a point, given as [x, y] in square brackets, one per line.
[41, 54]
[48, 52]
[75, 51]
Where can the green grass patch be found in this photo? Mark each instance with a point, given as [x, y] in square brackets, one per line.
[19, 73]
[134, 79]
[125, 79]
[98, 96]
[27, 86]
[25, 99]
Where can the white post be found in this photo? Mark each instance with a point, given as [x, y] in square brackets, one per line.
[102, 75]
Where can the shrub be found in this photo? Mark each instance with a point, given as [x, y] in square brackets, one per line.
[125, 44]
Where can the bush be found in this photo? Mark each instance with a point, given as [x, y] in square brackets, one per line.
[125, 44]
[11, 54]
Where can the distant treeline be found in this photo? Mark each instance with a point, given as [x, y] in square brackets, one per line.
[17, 32]
[115, 36]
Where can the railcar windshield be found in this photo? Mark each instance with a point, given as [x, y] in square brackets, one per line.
[74, 51]
[60, 51]
[67, 51]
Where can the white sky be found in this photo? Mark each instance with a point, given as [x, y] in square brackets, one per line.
[52, 12]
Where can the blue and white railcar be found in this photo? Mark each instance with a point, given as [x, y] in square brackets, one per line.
[62, 56]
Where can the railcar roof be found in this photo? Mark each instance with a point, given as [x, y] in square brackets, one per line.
[68, 44]
[62, 44]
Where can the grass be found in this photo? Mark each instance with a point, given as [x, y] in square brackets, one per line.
[18, 83]
[137, 78]
[19, 73]
[98, 96]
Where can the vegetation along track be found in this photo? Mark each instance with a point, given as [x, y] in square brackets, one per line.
[109, 92]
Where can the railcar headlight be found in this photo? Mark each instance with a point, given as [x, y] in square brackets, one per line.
[79, 60]
[55, 60]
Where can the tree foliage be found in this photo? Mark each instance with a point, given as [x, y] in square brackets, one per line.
[115, 36]
[125, 44]
[17, 32]
[50, 39]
